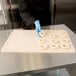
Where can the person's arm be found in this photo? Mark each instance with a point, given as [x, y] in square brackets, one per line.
[25, 14]
[38, 27]
[27, 17]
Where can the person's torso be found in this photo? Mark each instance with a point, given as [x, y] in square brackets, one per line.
[40, 9]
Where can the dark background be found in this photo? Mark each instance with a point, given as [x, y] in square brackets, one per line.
[65, 13]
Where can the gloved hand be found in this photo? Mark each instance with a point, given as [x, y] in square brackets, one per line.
[37, 26]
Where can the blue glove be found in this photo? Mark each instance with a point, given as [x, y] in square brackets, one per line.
[37, 25]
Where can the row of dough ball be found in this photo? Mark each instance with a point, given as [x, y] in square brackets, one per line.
[42, 40]
[54, 35]
[57, 36]
[54, 46]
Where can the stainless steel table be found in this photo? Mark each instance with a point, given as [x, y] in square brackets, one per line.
[31, 63]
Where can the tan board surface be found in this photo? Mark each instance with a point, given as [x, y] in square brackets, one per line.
[56, 41]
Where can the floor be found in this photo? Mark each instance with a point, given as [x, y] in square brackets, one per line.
[60, 72]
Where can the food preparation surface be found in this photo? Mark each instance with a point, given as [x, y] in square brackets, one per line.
[52, 41]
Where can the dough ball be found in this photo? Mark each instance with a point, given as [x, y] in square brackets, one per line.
[64, 41]
[43, 46]
[65, 46]
[54, 46]
[52, 36]
[62, 36]
[42, 34]
[41, 40]
[53, 41]
[60, 32]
